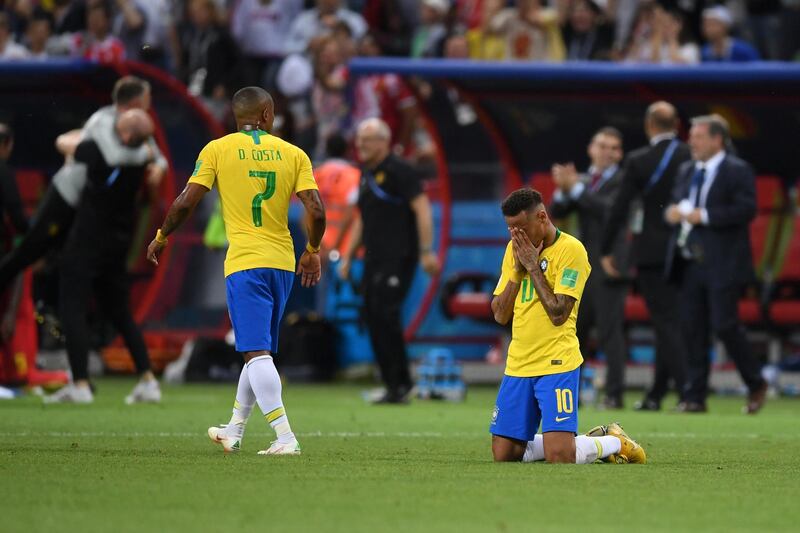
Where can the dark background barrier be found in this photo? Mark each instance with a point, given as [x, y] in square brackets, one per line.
[496, 127]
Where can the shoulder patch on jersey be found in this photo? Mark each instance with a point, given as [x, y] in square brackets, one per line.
[569, 278]
[197, 166]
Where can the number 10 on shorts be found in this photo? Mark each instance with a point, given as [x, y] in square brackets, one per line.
[564, 400]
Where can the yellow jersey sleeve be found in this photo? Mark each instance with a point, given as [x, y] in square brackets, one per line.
[305, 175]
[205, 168]
[573, 272]
[506, 271]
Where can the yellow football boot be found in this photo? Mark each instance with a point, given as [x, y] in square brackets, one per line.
[630, 451]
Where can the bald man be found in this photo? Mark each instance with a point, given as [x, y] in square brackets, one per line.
[94, 261]
[56, 211]
[396, 228]
[648, 180]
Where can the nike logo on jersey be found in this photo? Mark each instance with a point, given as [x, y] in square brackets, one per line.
[560, 419]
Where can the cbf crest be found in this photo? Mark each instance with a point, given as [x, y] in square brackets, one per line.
[495, 412]
[543, 265]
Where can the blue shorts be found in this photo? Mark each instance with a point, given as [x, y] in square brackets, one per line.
[522, 403]
[256, 300]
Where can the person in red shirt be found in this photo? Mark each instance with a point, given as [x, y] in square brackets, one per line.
[387, 97]
[97, 43]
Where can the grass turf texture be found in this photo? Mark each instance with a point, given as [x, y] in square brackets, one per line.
[424, 467]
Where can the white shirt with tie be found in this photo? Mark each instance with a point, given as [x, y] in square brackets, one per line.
[711, 167]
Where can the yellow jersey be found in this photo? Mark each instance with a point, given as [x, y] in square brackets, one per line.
[256, 175]
[539, 348]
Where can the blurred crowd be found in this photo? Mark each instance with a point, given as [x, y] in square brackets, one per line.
[299, 49]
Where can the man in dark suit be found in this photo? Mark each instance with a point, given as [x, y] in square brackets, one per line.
[647, 183]
[709, 253]
[603, 305]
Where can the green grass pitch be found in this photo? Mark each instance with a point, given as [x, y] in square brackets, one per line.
[423, 467]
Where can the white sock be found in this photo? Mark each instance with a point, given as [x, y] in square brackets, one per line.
[266, 384]
[535, 450]
[590, 449]
[243, 405]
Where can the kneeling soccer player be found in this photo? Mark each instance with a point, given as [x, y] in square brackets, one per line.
[540, 287]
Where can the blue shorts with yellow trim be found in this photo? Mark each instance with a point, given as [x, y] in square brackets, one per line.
[256, 301]
[523, 403]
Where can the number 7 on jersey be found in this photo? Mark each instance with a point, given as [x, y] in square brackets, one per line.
[259, 199]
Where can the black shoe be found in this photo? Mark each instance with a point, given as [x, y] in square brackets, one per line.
[691, 407]
[648, 404]
[612, 403]
[393, 397]
[756, 399]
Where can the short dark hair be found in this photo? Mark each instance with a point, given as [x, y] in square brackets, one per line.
[521, 200]
[100, 5]
[610, 131]
[40, 14]
[127, 89]
[336, 146]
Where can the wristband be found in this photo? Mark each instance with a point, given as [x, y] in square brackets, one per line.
[311, 249]
[160, 238]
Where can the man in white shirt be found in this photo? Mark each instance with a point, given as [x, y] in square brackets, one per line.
[9, 50]
[319, 21]
[261, 29]
[713, 203]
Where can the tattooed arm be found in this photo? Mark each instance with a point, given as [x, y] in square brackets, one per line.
[180, 210]
[557, 306]
[503, 303]
[309, 267]
[315, 215]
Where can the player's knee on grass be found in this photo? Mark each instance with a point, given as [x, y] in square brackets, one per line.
[559, 447]
[507, 450]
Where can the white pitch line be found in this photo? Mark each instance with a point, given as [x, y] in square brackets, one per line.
[351, 434]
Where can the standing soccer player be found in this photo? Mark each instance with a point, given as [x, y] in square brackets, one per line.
[256, 174]
[543, 275]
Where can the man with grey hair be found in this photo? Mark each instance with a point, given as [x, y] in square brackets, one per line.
[709, 254]
[53, 218]
[396, 229]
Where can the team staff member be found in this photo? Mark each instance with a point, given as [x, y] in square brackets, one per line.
[715, 200]
[591, 195]
[648, 178]
[256, 174]
[396, 228]
[55, 213]
[543, 276]
[94, 262]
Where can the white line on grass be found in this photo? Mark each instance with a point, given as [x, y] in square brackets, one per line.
[346, 434]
